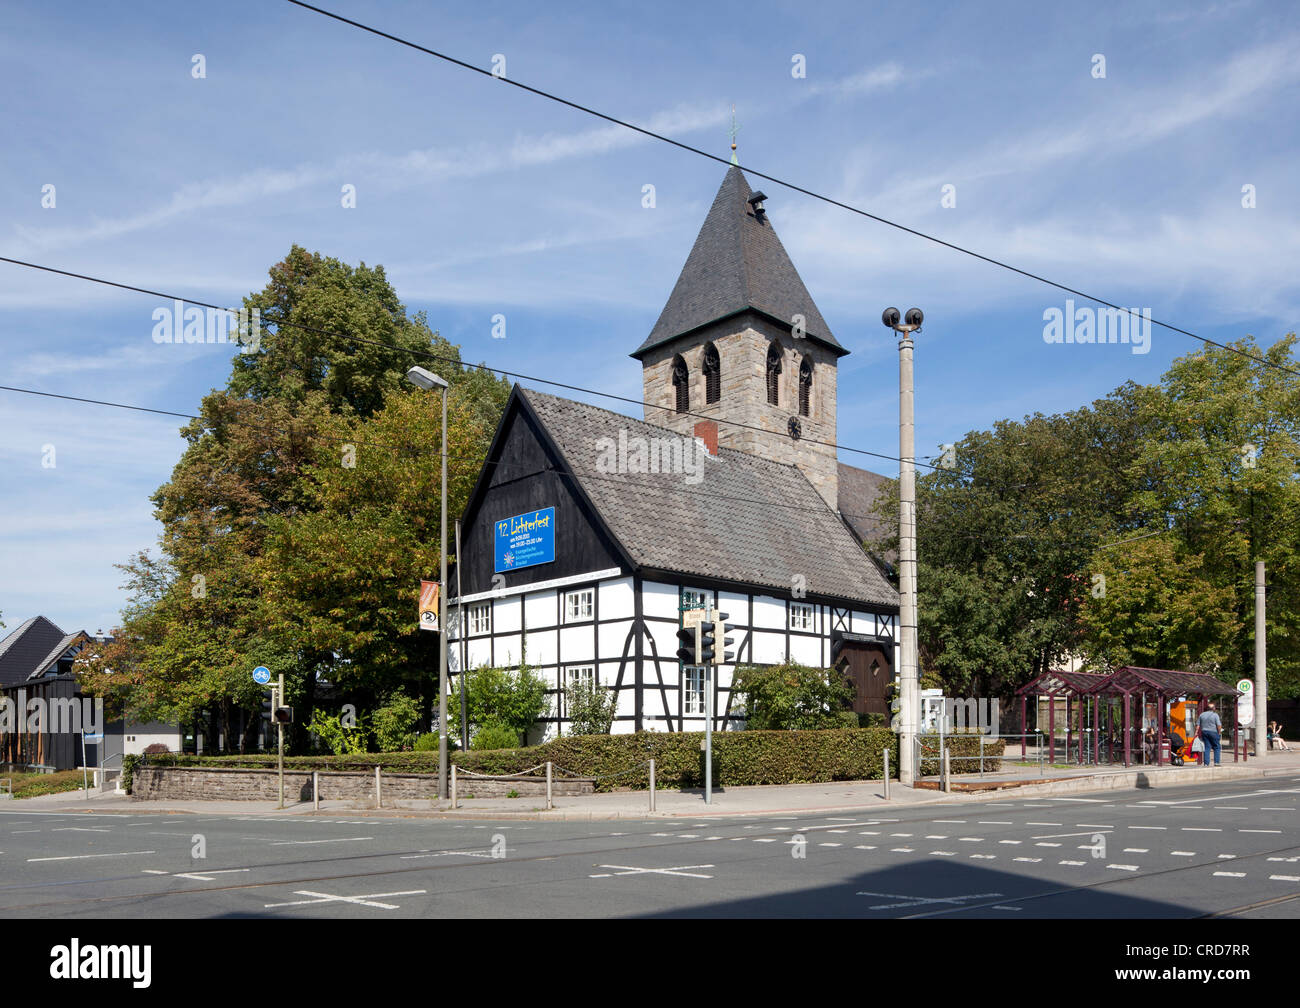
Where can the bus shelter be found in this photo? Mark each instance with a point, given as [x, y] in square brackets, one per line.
[1056, 685]
[1131, 712]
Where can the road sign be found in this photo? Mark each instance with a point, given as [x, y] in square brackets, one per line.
[1246, 703]
[262, 675]
[98, 737]
[693, 617]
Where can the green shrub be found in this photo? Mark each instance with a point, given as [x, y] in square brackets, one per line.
[494, 735]
[512, 698]
[794, 697]
[591, 708]
[393, 724]
[428, 742]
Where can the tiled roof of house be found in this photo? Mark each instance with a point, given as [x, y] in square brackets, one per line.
[746, 520]
[737, 262]
[24, 650]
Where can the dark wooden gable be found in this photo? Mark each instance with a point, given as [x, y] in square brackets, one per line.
[525, 472]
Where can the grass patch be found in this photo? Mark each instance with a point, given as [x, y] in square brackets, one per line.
[29, 785]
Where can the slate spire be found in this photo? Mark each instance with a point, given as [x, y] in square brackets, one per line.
[737, 263]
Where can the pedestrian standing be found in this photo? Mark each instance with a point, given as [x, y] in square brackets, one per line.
[1211, 728]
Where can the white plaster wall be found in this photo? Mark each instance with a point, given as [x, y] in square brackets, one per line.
[659, 599]
[617, 600]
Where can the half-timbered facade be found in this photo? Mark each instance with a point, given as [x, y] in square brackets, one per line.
[590, 532]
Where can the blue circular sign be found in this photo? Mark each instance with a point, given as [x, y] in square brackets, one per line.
[262, 674]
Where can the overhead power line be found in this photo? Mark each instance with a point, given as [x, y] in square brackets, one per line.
[588, 110]
[444, 358]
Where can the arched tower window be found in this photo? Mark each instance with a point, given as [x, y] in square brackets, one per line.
[682, 383]
[773, 373]
[712, 374]
[805, 386]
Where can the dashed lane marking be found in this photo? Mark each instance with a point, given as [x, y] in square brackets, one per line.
[1284, 878]
[1123, 867]
[1182, 853]
[1137, 850]
[1259, 831]
[82, 857]
[1231, 874]
[1031, 860]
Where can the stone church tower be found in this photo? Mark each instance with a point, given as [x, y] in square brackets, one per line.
[740, 341]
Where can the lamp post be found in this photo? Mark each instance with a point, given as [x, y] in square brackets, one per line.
[428, 380]
[908, 672]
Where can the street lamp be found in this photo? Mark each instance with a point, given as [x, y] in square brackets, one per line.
[908, 673]
[428, 380]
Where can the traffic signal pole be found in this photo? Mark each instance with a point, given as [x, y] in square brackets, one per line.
[279, 728]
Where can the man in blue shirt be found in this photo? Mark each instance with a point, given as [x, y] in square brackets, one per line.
[1211, 727]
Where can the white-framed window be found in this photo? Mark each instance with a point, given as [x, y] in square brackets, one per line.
[574, 674]
[802, 616]
[579, 605]
[695, 598]
[693, 690]
[480, 618]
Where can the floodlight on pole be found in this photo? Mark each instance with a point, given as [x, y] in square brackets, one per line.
[908, 671]
[426, 379]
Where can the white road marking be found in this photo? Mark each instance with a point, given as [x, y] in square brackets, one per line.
[1058, 836]
[1011, 841]
[1093, 825]
[1259, 831]
[1223, 856]
[1123, 867]
[912, 901]
[82, 829]
[1183, 853]
[1032, 860]
[1148, 827]
[759, 839]
[1202, 829]
[949, 820]
[995, 822]
[1231, 874]
[1137, 850]
[1047, 845]
[830, 845]
[984, 857]
[1044, 824]
[370, 899]
[936, 836]
[1284, 878]
[900, 850]
[82, 857]
[681, 870]
[971, 839]
[864, 847]
[1075, 864]
[943, 853]
[299, 843]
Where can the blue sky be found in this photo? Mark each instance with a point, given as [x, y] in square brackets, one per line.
[481, 199]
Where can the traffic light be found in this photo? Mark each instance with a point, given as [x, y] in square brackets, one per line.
[283, 715]
[707, 641]
[268, 704]
[720, 630]
[689, 652]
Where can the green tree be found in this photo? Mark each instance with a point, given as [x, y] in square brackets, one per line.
[393, 724]
[794, 697]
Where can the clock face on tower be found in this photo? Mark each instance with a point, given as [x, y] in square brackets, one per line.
[794, 428]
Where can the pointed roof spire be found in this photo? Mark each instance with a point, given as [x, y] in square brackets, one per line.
[734, 130]
[737, 263]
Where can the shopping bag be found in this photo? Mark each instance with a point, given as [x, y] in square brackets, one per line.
[1198, 744]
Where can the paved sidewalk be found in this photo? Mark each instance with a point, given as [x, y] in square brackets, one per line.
[732, 801]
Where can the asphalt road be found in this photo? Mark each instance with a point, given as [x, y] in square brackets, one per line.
[1227, 848]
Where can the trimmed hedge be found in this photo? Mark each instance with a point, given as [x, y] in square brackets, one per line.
[619, 761]
[960, 746]
[739, 758]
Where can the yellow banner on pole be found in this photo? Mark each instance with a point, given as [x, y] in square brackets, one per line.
[429, 605]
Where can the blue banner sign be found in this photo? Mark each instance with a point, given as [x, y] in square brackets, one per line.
[525, 540]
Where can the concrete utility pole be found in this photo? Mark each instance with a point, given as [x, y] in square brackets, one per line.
[1261, 665]
[908, 673]
[428, 380]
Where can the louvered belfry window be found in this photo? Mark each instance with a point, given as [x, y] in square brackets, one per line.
[682, 383]
[712, 375]
[805, 386]
[773, 373]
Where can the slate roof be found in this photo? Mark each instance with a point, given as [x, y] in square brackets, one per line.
[24, 650]
[737, 262]
[748, 520]
[858, 490]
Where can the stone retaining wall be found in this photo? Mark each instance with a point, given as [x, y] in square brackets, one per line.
[242, 784]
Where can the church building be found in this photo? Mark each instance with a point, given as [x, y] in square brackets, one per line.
[590, 532]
